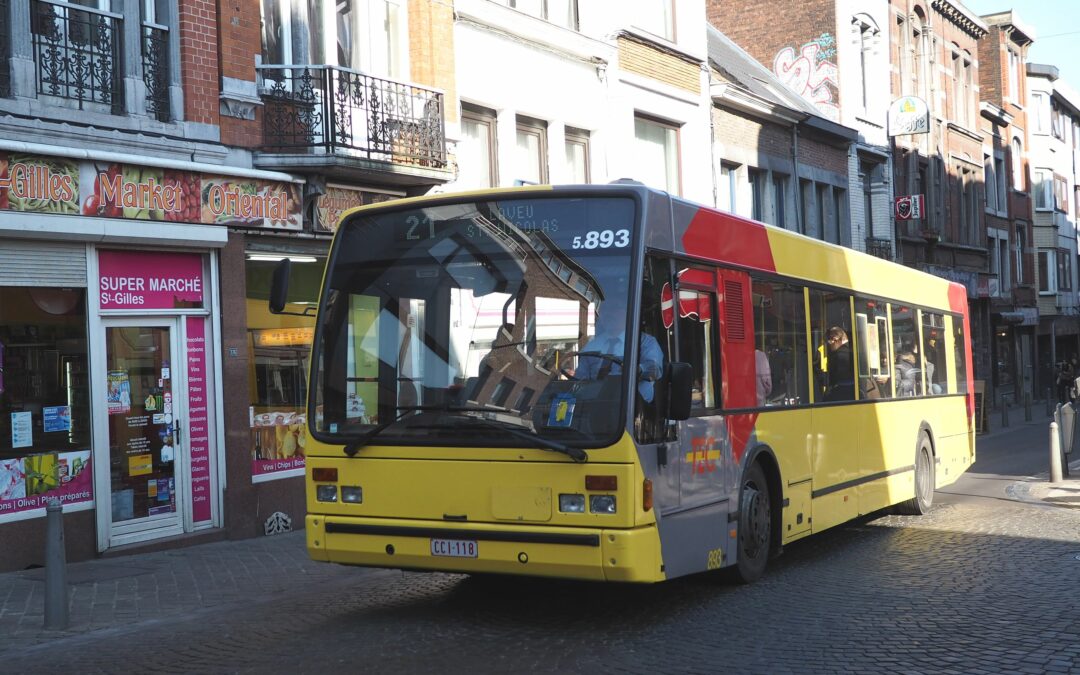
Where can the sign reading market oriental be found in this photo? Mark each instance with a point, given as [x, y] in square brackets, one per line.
[39, 184]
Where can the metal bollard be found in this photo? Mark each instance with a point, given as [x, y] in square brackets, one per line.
[1004, 412]
[1055, 454]
[56, 587]
[1027, 406]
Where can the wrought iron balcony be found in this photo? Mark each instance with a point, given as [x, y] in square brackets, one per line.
[881, 248]
[314, 109]
[77, 51]
[155, 62]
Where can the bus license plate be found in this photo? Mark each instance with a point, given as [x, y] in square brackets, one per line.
[453, 548]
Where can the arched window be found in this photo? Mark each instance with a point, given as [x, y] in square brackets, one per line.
[1017, 165]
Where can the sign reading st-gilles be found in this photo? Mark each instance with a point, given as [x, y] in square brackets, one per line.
[910, 207]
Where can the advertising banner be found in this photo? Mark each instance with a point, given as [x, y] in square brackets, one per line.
[279, 437]
[27, 483]
[198, 430]
[40, 184]
[337, 200]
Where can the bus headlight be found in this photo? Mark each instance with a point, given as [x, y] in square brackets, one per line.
[326, 493]
[572, 503]
[602, 504]
[352, 494]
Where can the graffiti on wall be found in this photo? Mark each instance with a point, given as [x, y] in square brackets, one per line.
[811, 73]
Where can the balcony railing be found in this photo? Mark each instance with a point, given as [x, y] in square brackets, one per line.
[332, 110]
[5, 50]
[881, 248]
[155, 61]
[77, 50]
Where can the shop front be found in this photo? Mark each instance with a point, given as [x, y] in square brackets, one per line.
[110, 356]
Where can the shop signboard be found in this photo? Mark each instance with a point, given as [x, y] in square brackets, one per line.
[143, 280]
[28, 483]
[338, 199]
[41, 184]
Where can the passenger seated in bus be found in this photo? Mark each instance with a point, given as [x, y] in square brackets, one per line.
[609, 339]
[763, 371]
[907, 372]
[840, 384]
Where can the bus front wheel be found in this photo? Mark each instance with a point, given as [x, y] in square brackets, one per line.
[924, 481]
[755, 526]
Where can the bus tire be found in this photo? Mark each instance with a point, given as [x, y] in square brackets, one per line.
[755, 526]
[925, 481]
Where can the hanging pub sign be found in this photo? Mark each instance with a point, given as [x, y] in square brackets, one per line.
[910, 207]
[908, 115]
[56, 185]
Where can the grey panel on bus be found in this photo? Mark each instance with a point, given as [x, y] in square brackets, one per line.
[39, 263]
[658, 233]
[688, 537]
[682, 213]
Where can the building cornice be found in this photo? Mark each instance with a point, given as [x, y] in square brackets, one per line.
[995, 113]
[958, 14]
[728, 95]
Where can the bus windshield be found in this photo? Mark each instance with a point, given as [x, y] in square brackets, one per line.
[477, 323]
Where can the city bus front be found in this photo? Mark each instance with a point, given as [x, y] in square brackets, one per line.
[470, 389]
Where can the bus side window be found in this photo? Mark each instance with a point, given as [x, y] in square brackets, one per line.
[933, 341]
[780, 344]
[874, 365]
[650, 423]
[831, 330]
[905, 340]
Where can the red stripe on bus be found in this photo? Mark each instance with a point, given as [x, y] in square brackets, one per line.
[726, 238]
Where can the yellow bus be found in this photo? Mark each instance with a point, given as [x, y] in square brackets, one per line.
[612, 383]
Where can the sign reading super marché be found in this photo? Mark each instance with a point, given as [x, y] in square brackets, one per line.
[150, 280]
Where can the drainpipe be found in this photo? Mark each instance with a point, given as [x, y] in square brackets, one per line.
[799, 226]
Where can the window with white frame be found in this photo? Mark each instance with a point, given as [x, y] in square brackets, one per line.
[476, 150]
[1057, 120]
[532, 165]
[780, 184]
[1021, 250]
[1040, 113]
[1014, 76]
[1061, 194]
[1047, 271]
[1017, 165]
[1000, 173]
[1043, 188]
[559, 12]
[998, 245]
[727, 193]
[969, 200]
[365, 35]
[757, 179]
[577, 155]
[961, 85]
[654, 16]
[657, 153]
[990, 181]
[1064, 270]
[865, 32]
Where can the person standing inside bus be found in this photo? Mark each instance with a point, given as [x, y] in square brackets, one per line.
[609, 339]
[841, 372]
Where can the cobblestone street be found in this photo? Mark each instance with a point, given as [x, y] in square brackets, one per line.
[983, 584]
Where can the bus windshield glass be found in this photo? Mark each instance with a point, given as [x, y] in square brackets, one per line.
[478, 323]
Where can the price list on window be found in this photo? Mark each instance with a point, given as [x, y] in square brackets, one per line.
[197, 415]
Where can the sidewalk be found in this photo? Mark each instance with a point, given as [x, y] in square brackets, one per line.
[116, 592]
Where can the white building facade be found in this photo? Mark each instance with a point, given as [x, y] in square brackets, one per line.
[568, 92]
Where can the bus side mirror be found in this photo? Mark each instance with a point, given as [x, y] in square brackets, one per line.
[681, 380]
[279, 286]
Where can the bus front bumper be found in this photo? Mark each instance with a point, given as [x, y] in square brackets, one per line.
[574, 553]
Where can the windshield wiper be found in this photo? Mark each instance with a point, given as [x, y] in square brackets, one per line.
[352, 448]
[576, 454]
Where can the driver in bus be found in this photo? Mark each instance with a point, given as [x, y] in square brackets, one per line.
[609, 339]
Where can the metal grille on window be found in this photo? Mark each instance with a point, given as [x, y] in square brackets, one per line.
[155, 61]
[77, 53]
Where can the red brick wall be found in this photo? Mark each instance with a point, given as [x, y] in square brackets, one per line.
[199, 60]
[240, 41]
[763, 29]
[735, 130]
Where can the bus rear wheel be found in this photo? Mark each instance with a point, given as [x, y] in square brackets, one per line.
[924, 481]
[755, 526]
